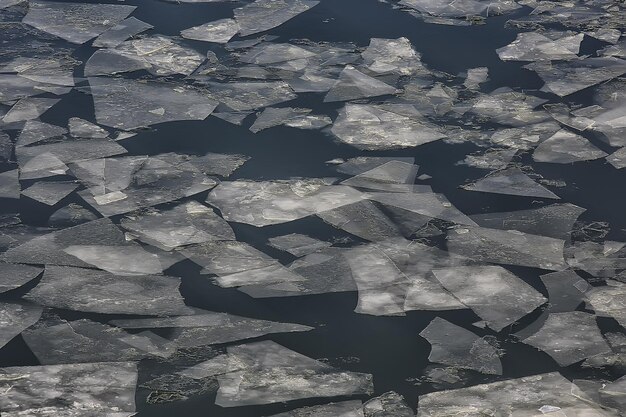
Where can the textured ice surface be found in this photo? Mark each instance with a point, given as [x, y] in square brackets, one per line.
[507, 247]
[272, 202]
[49, 193]
[266, 372]
[341, 409]
[298, 118]
[353, 84]
[75, 22]
[14, 275]
[455, 346]
[522, 396]
[493, 293]
[35, 131]
[86, 389]
[14, 318]
[129, 104]
[511, 181]
[101, 292]
[389, 404]
[533, 46]
[566, 290]
[9, 184]
[262, 15]
[218, 31]
[565, 147]
[297, 244]
[125, 29]
[384, 56]
[609, 301]
[362, 219]
[249, 95]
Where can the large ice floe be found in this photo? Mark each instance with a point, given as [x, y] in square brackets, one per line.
[303, 208]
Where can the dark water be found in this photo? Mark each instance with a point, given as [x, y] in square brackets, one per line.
[387, 347]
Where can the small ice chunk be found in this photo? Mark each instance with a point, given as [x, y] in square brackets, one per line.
[70, 215]
[392, 56]
[389, 404]
[288, 116]
[341, 409]
[618, 158]
[614, 394]
[29, 108]
[475, 77]
[35, 131]
[262, 15]
[184, 224]
[297, 244]
[382, 176]
[609, 301]
[75, 22]
[81, 389]
[9, 184]
[566, 147]
[218, 31]
[227, 257]
[80, 128]
[271, 202]
[569, 337]
[455, 346]
[507, 247]
[127, 104]
[362, 219]
[266, 373]
[360, 164]
[14, 318]
[353, 84]
[118, 260]
[242, 95]
[43, 165]
[127, 28]
[491, 159]
[49, 193]
[518, 396]
[273, 53]
[534, 46]
[511, 181]
[380, 127]
[555, 220]
[94, 291]
[493, 293]
[6, 147]
[566, 290]
[14, 275]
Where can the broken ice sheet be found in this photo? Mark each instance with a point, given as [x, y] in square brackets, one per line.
[534, 46]
[384, 56]
[493, 293]
[208, 328]
[14, 275]
[125, 29]
[525, 396]
[94, 291]
[29, 108]
[9, 184]
[353, 84]
[273, 53]
[75, 22]
[126, 260]
[14, 318]
[86, 389]
[288, 116]
[380, 127]
[555, 220]
[569, 337]
[227, 257]
[49, 193]
[383, 177]
[455, 346]
[56, 341]
[609, 301]
[565, 78]
[70, 215]
[297, 244]
[617, 158]
[81, 128]
[341, 409]
[262, 15]
[566, 290]
[36, 130]
[475, 77]
[241, 96]
[360, 164]
[389, 404]
[184, 224]
[57, 72]
[511, 181]
[121, 185]
[507, 247]
[261, 203]
[218, 31]
[266, 372]
[130, 104]
[464, 9]
[566, 147]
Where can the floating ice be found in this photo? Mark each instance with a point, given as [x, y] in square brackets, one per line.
[14, 276]
[397, 56]
[119, 260]
[35, 131]
[341, 409]
[273, 53]
[508, 247]
[75, 22]
[70, 215]
[218, 31]
[262, 15]
[297, 244]
[185, 224]
[49, 193]
[272, 202]
[569, 337]
[389, 404]
[101, 292]
[46, 71]
[614, 394]
[565, 147]
[492, 292]
[129, 104]
[617, 158]
[533, 46]
[227, 257]
[288, 116]
[241, 96]
[455, 346]
[353, 84]
[475, 77]
[511, 181]
[362, 219]
[14, 318]
[609, 300]
[358, 165]
[29, 108]
[566, 290]
[266, 372]
[9, 184]
[384, 176]
[521, 396]
[127, 28]
[81, 128]
[556, 220]
[379, 127]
